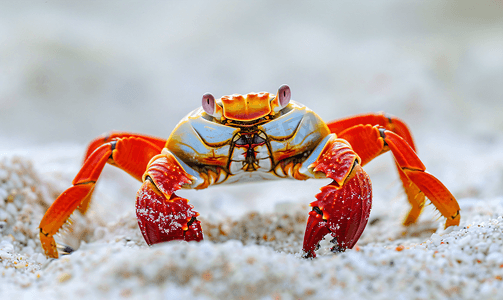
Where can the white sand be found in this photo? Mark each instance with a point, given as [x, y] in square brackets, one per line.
[253, 255]
[71, 71]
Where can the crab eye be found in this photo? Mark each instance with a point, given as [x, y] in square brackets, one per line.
[284, 95]
[208, 103]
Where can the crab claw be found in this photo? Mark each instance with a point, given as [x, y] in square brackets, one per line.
[162, 220]
[162, 215]
[343, 212]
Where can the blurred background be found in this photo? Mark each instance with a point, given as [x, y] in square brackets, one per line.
[70, 71]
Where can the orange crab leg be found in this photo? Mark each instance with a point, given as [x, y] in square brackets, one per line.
[343, 207]
[387, 121]
[115, 135]
[131, 154]
[162, 215]
[391, 123]
[370, 141]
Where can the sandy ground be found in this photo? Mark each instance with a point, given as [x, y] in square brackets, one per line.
[71, 71]
[249, 252]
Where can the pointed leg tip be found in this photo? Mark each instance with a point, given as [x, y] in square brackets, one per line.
[453, 221]
[410, 220]
[49, 246]
[65, 249]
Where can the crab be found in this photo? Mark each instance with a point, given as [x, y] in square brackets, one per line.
[253, 137]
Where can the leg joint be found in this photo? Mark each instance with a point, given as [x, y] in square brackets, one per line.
[113, 144]
[388, 117]
[382, 133]
[149, 179]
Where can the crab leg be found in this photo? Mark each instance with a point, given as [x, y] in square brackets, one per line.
[343, 207]
[131, 154]
[387, 121]
[115, 135]
[162, 215]
[370, 141]
[391, 123]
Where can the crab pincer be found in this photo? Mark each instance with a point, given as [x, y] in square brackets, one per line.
[162, 215]
[342, 207]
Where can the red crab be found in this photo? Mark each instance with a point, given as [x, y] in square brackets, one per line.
[253, 137]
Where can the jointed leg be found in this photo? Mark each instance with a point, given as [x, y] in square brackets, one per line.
[128, 159]
[367, 150]
[370, 141]
[131, 154]
[116, 135]
[387, 121]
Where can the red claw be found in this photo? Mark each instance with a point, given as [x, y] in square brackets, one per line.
[162, 220]
[341, 212]
[162, 215]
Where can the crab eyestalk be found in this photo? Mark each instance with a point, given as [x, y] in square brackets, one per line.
[210, 106]
[282, 98]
